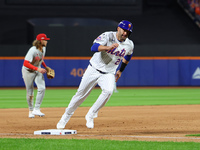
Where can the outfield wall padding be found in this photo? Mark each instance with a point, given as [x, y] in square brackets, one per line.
[141, 71]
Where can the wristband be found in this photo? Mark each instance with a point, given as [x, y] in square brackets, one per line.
[44, 65]
[123, 65]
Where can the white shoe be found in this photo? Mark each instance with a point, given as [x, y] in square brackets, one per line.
[63, 121]
[61, 124]
[37, 112]
[30, 115]
[89, 122]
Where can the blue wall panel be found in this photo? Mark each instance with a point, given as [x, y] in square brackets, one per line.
[147, 72]
[60, 72]
[2, 72]
[173, 72]
[160, 72]
[184, 72]
[131, 74]
[67, 72]
[11, 73]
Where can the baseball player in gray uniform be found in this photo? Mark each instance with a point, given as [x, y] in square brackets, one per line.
[110, 49]
[32, 71]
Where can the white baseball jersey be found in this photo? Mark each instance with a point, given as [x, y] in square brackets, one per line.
[101, 71]
[35, 56]
[108, 61]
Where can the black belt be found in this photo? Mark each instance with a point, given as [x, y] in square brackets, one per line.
[30, 70]
[99, 70]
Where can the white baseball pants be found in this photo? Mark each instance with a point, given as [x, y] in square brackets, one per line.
[29, 78]
[90, 79]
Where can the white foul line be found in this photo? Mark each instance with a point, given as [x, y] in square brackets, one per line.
[15, 134]
[126, 136]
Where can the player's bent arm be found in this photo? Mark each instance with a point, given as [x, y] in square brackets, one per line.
[125, 62]
[43, 64]
[122, 67]
[118, 75]
[97, 47]
[107, 48]
[41, 70]
[30, 66]
[94, 47]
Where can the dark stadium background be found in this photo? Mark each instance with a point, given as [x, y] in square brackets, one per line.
[160, 28]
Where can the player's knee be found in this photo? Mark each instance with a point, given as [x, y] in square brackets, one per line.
[107, 93]
[41, 89]
[30, 93]
[30, 96]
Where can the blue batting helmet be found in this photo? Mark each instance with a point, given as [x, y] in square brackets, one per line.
[127, 25]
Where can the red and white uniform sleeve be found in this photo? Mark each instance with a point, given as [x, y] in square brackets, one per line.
[34, 58]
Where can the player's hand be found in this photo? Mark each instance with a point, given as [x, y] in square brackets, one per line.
[118, 75]
[107, 48]
[41, 70]
[113, 46]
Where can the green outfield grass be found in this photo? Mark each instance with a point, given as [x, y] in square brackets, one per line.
[193, 135]
[125, 97]
[74, 144]
[16, 98]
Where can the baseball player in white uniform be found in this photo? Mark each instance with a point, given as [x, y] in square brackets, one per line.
[32, 71]
[110, 49]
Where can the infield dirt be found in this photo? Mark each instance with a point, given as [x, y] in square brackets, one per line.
[149, 123]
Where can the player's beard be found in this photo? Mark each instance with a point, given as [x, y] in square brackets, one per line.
[43, 45]
[122, 37]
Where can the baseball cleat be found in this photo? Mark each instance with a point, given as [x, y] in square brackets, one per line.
[30, 115]
[63, 121]
[37, 112]
[89, 122]
[61, 124]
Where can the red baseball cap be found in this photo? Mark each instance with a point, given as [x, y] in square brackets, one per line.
[42, 36]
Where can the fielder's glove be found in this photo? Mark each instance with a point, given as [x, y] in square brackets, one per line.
[50, 73]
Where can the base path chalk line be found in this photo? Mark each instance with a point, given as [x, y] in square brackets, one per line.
[15, 134]
[125, 136]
